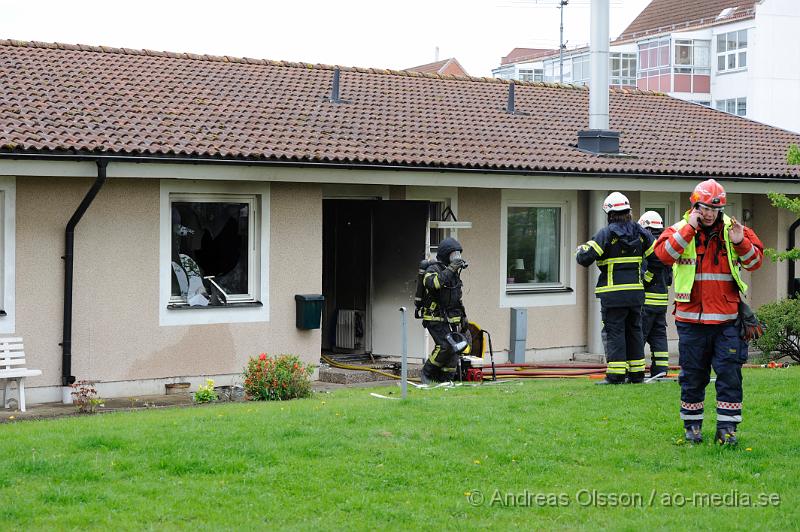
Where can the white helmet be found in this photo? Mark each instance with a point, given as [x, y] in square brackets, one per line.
[616, 201]
[651, 219]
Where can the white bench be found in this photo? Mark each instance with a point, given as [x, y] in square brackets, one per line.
[12, 369]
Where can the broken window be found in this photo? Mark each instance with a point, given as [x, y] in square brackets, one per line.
[213, 249]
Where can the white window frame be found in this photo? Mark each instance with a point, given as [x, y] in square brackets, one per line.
[257, 195]
[252, 234]
[669, 201]
[448, 195]
[8, 195]
[722, 105]
[735, 52]
[564, 293]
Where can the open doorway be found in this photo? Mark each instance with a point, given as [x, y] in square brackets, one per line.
[371, 250]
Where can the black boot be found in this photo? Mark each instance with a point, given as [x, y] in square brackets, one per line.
[430, 374]
[612, 379]
[694, 434]
[659, 371]
[636, 378]
[726, 435]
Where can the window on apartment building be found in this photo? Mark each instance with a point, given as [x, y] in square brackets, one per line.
[654, 56]
[692, 56]
[531, 74]
[623, 69]
[732, 51]
[580, 69]
[533, 256]
[552, 67]
[214, 242]
[734, 106]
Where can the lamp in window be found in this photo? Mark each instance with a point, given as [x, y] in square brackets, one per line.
[518, 271]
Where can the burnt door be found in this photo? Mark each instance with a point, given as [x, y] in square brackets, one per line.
[398, 245]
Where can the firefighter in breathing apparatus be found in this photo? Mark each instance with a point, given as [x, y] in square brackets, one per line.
[706, 250]
[442, 311]
[619, 250]
[657, 279]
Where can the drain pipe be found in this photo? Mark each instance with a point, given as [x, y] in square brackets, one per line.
[794, 285]
[66, 344]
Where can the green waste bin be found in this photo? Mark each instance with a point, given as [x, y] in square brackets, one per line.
[309, 310]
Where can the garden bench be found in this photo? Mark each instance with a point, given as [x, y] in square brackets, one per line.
[12, 369]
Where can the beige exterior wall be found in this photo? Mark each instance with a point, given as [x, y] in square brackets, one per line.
[549, 327]
[116, 332]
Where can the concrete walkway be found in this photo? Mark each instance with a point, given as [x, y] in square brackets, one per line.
[122, 404]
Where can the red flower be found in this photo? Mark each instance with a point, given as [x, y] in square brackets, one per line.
[262, 356]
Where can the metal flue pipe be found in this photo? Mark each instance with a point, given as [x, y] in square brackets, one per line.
[599, 58]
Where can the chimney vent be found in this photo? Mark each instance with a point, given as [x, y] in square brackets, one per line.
[511, 104]
[598, 139]
[334, 98]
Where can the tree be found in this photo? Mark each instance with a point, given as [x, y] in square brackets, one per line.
[793, 157]
[783, 202]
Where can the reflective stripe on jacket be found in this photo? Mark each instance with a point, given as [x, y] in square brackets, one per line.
[618, 251]
[706, 266]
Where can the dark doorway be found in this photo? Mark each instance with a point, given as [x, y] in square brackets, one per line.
[371, 249]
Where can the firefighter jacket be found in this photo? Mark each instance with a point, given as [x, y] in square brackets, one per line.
[443, 295]
[657, 278]
[618, 250]
[706, 267]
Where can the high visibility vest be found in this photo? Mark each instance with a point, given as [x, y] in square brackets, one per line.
[685, 267]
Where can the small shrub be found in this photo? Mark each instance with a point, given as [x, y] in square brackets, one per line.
[205, 392]
[276, 378]
[782, 335]
[84, 396]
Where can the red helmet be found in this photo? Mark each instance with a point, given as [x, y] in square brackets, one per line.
[708, 193]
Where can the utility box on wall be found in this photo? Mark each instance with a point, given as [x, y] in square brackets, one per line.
[309, 310]
[519, 333]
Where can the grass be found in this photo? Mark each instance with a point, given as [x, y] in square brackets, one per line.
[349, 460]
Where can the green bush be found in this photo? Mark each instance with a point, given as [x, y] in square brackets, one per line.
[782, 335]
[205, 393]
[276, 378]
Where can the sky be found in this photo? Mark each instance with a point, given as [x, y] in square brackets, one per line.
[381, 34]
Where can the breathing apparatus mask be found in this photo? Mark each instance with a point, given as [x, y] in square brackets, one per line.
[456, 260]
[457, 341]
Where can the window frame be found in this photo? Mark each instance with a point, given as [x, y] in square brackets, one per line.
[446, 195]
[736, 53]
[254, 307]
[252, 260]
[552, 295]
[735, 104]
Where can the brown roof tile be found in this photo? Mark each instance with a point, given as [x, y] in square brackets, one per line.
[445, 66]
[526, 54]
[662, 16]
[57, 98]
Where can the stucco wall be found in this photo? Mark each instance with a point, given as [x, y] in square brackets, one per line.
[116, 332]
[548, 327]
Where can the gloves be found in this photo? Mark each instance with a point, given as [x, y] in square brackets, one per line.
[750, 328]
[456, 265]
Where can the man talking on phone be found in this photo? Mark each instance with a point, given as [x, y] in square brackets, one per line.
[707, 249]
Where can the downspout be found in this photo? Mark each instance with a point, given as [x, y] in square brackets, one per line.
[793, 289]
[66, 345]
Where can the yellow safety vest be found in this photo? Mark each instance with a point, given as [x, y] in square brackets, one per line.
[685, 267]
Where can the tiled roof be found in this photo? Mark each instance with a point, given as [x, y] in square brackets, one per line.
[518, 55]
[662, 16]
[445, 66]
[92, 100]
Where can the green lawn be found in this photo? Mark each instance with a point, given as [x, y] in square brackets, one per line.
[349, 460]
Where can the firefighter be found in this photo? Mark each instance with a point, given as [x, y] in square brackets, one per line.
[443, 313]
[708, 249]
[619, 249]
[657, 279]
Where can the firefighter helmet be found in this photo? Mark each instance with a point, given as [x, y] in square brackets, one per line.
[651, 220]
[616, 201]
[708, 193]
